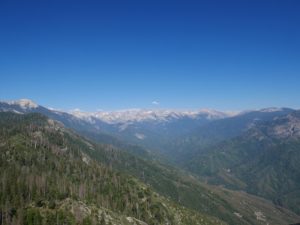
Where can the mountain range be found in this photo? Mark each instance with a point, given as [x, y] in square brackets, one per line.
[153, 129]
[220, 167]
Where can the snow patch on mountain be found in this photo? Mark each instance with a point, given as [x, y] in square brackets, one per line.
[144, 115]
[24, 103]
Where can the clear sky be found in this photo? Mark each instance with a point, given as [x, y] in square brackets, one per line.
[227, 55]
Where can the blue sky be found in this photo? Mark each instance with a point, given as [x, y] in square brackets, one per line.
[227, 55]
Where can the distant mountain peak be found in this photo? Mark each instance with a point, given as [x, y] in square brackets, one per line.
[271, 109]
[24, 103]
[267, 110]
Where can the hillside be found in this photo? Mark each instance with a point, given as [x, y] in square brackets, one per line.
[263, 161]
[187, 190]
[46, 177]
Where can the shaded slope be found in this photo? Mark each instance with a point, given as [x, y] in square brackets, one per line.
[264, 161]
